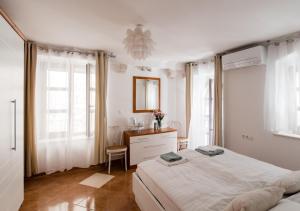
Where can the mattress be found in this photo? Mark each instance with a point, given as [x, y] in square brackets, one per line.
[206, 183]
[156, 191]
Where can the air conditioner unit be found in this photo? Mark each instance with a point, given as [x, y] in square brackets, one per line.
[245, 58]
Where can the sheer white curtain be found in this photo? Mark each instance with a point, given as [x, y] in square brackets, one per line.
[200, 132]
[65, 108]
[282, 88]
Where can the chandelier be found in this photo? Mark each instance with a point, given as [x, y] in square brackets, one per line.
[138, 43]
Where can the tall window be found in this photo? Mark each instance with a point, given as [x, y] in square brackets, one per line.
[209, 98]
[297, 72]
[65, 110]
[282, 91]
[201, 125]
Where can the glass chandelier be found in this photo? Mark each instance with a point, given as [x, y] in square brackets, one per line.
[138, 43]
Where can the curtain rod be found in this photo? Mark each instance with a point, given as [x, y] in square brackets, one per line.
[240, 48]
[71, 49]
[287, 37]
[192, 63]
[201, 61]
[205, 61]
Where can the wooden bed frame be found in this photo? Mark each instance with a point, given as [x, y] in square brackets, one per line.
[143, 197]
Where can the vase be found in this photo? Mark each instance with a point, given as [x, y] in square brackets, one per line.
[159, 124]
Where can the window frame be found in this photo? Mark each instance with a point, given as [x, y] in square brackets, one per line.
[68, 111]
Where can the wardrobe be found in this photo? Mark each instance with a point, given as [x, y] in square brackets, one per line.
[11, 118]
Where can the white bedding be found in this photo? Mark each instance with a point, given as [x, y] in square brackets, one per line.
[291, 203]
[295, 198]
[206, 183]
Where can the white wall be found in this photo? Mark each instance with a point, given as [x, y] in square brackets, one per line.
[120, 98]
[180, 102]
[244, 114]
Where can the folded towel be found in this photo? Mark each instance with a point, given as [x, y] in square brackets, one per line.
[170, 157]
[183, 160]
[210, 152]
[208, 148]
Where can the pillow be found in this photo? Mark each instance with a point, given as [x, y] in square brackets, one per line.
[256, 200]
[290, 182]
[286, 205]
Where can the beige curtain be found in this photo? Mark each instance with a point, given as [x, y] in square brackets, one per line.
[101, 115]
[29, 118]
[188, 94]
[218, 101]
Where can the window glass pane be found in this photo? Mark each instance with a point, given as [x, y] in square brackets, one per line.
[79, 68]
[57, 122]
[297, 79]
[57, 79]
[92, 123]
[92, 80]
[57, 99]
[79, 102]
[92, 98]
[57, 63]
[79, 90]
[92, 76]
[206, 123]
[79, 122]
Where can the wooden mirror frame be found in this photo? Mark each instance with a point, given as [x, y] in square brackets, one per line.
[134, 94]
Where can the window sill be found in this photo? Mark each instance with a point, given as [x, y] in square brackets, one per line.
[288, 135]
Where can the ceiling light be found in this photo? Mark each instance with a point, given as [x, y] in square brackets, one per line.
[138, 43]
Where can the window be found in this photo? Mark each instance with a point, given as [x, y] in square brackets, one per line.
[297, 73]
[91, 106]
[57, 101]
[209, 103]
[201, 124]
[64, 110]
[282, 91]
[66, 99]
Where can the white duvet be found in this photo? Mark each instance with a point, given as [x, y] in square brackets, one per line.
[207, 183]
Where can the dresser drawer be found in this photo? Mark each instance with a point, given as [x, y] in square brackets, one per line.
[146, 138]
[140, 153]
[158, 151]
[148, 147]
[168, 135]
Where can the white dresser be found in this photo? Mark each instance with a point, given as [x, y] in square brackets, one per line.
[148, 144]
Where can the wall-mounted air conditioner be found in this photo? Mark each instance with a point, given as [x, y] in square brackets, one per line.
[245, 58]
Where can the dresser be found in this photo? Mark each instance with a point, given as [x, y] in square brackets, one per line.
[149, 143]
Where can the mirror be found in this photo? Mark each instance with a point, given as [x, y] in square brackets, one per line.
[146, 94]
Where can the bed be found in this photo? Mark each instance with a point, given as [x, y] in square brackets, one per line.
[203, 183]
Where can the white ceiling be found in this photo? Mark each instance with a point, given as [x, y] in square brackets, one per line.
[183, 30]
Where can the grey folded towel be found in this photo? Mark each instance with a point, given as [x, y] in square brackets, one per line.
[170, 157]
[210, 152]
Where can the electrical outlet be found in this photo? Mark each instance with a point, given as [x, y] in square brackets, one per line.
[247, 137]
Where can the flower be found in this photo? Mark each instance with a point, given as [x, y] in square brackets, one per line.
[158, 115]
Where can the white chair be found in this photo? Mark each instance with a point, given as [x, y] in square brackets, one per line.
[116, 150]
[177, 125]
[182, 142]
